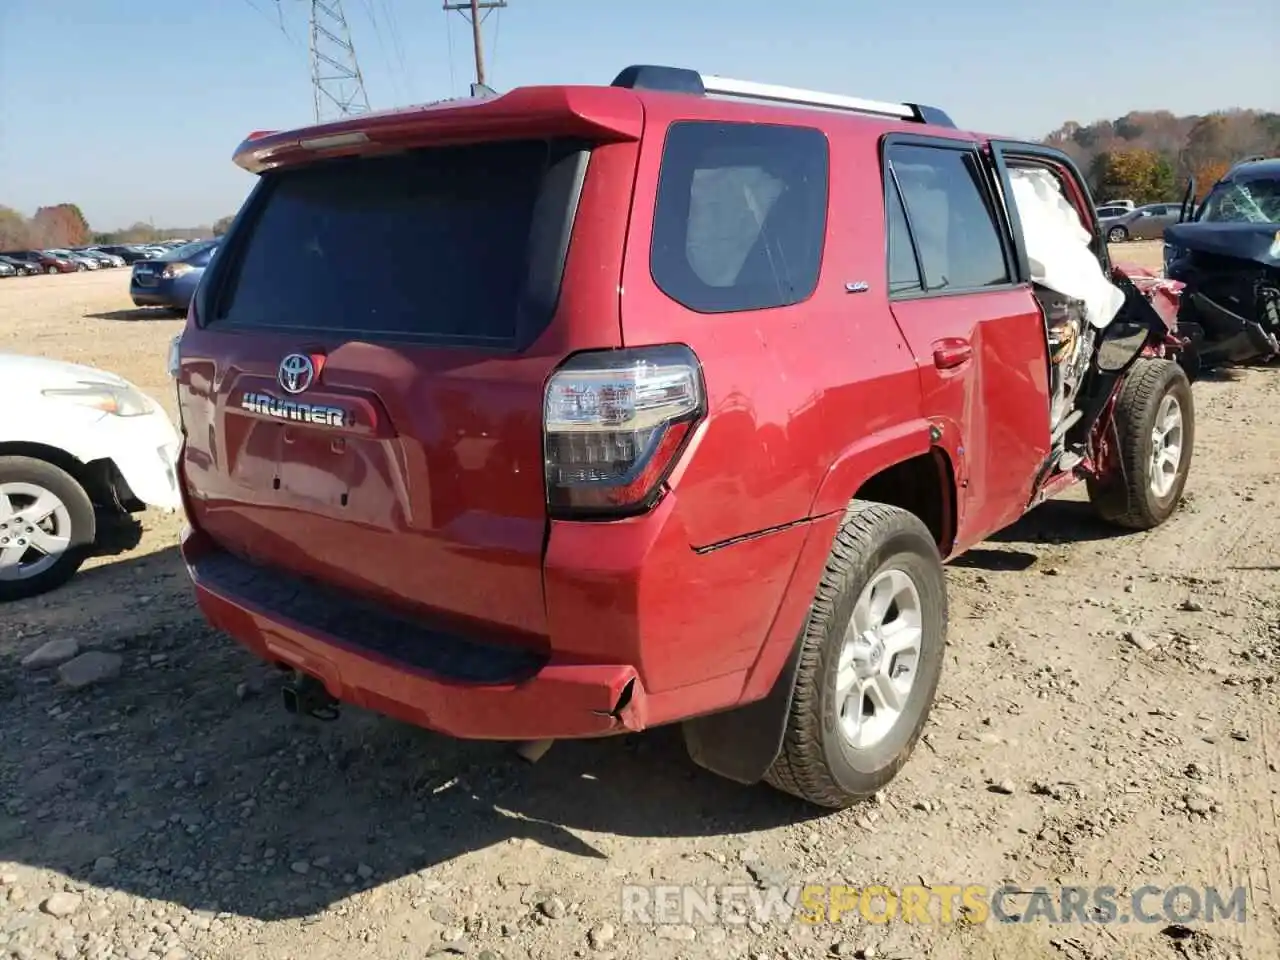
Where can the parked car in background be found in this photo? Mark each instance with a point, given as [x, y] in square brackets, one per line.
[7, 269]
[80, 261]
[79, 449]
[170, 279]
[1227, 252]
[109, 260]
[128, 253]
[23, 267]
[1142, 223]
[1111, 212]
[45, 261]
[101, 260]
[1122, 204]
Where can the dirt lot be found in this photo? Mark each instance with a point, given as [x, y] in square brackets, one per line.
[1109, 715]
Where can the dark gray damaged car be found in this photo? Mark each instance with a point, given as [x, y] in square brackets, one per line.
[1227, 252]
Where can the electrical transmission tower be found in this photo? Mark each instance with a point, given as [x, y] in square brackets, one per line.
[474, 11]
[337, 85]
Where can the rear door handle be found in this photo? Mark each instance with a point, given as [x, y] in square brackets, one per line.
[951, 353]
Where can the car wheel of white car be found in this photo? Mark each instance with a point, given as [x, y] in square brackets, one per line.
[47, 527]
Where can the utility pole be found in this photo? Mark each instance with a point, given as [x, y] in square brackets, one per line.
[475, 12]
[336, 82]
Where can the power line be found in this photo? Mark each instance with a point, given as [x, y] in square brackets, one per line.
[473, 11]
[497, 35]
[276, 21]
[448, 35]
[406, 71]
[382, 47]
[336, 81]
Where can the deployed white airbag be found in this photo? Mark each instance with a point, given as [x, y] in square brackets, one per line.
[1058, 246]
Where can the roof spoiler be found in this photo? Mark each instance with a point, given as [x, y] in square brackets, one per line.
[682, 80]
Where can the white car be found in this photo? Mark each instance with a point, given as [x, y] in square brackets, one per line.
[78, 447]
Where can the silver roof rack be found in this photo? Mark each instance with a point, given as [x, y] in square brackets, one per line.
[681, 80]
[727, 86]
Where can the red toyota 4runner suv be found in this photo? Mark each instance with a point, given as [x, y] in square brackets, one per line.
[575, 410]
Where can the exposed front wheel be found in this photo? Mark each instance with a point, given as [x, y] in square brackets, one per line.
[870, 659]
[47, 526]
[1155, 431]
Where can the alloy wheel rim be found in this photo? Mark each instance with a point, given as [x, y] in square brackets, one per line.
[35, 530]
[1166, 446]
[879, 659]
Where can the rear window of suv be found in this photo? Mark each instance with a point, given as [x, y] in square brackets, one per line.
[426, 245]
[741, 215]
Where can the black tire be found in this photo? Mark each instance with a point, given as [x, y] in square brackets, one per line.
[51, 270]
[83, 532]
[1129, 499]
[817, 763]
[1117, 235]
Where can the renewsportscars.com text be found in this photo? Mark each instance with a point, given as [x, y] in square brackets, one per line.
[941, 904]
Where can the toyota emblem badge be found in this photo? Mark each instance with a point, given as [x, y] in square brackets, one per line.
[296, 373]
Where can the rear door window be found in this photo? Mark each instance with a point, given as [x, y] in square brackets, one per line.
[741, 215]
[427, 245]
[904, 272]
[949, 209]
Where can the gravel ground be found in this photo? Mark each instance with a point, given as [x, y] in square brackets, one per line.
[1109, 715]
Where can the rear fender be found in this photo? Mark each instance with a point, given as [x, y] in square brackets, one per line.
[867, 456]
[741, 744]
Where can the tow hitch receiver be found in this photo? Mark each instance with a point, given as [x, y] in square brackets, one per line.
[307, 697]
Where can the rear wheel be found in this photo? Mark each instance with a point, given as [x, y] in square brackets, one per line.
[47, 527]
[870, 658]
[51, 270]
[1117, 234]
[1155, 427]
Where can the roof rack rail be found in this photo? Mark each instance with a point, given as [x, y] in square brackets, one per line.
[682, 80]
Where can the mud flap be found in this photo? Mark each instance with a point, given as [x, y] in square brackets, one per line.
[741, 744]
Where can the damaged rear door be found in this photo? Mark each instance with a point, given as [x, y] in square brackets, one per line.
[971, 323]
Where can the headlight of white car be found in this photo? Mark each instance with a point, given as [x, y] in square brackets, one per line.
[116, 399]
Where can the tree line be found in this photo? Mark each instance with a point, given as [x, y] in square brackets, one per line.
[1148, 156]
[63, 225]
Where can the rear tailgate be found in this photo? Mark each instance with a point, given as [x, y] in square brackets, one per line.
[362, 384]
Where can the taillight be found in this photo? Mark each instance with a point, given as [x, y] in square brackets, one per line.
[175, 270]
[614, 425]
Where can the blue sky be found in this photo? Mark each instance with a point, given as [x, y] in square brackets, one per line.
[132, 108]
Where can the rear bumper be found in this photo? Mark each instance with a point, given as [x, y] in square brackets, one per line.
[156, 297]
[407, 670]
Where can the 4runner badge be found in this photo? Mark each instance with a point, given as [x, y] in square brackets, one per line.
[316, 413]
